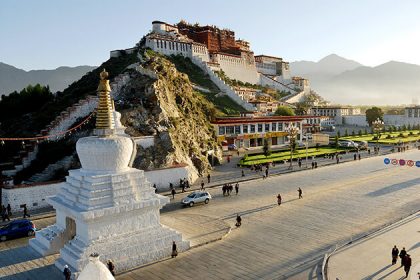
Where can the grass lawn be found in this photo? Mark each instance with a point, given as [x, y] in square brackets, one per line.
[383, 139]
[285, 155]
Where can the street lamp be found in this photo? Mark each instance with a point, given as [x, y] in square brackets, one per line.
[292, 132]
[377, 127]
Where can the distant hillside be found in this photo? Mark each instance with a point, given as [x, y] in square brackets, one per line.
[348, 82]
[12, 78]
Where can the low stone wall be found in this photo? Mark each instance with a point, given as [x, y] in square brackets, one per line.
[34, 196]
[162, 177]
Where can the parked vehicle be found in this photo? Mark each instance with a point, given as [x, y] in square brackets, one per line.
[363, 145]
[196, 197]
[232, 147]
[347, 143]
[17, 228]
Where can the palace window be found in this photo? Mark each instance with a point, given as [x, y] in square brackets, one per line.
[237, 129]
[230, 130]
[280, 126]
[165, 44]
[274, 126]
[245, 128]
[252, 128]
[267, 127]
[221, 130]
[260, 127]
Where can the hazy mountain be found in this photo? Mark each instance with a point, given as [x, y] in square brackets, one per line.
[12, 78]
[329, 66]
[348, 82]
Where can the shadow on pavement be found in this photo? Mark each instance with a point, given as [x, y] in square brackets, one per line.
[395, 187]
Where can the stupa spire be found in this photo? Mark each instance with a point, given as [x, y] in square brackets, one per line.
[105, 122]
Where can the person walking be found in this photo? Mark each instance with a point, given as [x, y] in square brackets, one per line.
[208, 178]
[173, 192]
[300, 193]
[300, 163]
[394, 254]
[174, 250]
[183, 187]
[25, 211]
[202, 185]
[238, 220]
[316, 164]
[279, 199]
[403, 252]
[243, 173]
[360, 157]
[237, 188]
[355, 157]
[266, 172]
[9, 210]
[313, 164]
[407, 265]
[67, 272]
[111, 267]
[187, 184]
[4, 214]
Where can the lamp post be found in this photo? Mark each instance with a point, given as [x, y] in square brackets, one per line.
[292, 132]
[377, 127]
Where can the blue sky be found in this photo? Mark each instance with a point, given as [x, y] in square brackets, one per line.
[45, 34]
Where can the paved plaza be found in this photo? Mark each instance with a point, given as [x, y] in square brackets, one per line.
[340, 203]
[370, 258]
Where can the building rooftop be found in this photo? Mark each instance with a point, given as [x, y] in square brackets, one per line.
[235, 120]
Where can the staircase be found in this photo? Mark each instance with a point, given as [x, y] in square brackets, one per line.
[225, 88]
[47, 173]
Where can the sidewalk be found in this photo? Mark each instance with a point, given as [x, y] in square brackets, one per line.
[231, 173]
[370, 258]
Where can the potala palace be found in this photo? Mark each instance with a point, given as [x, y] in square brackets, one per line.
[216, 50]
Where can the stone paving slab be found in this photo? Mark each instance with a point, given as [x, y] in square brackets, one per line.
[370, 258]
[19, 261]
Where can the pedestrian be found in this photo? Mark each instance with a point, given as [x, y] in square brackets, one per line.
[4, 214]
[9, 210]
[279, 199]
[238, 220]
[230, 189]
[407, 265]
[355, 157]
[228, 160]
[171, 186]
[338, 159]
[187, 183]
[360, 157]
[174, 250]
[266, 172]
[368, 151]
[208, 178]
[111, 267]
[224, 189]
[300, 163]
[237, 188]
[243, 173]
[173, 192]
[181, 182]
[394, 254]
[300, 193]
[25, 211]
[313, 165]
[202, 185]
[316, 164]
[183, 187]
[67, 272]
[403, 252]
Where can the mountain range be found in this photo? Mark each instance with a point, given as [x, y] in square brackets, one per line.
[12, 78]
[345, 81]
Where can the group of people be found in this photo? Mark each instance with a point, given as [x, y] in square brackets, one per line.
[6, 212]
[405, 259]
[357, 156]
[184, 184]
[227, 189]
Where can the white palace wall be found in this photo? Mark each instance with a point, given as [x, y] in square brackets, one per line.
[34, 196]
[236, 68]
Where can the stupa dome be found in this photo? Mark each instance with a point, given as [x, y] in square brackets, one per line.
[95, 270]
[104, 154]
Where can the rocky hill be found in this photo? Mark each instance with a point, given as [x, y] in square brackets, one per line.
[164, 104]
[14, 79]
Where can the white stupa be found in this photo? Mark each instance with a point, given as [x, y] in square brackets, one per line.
[107, 207]
[95, 270]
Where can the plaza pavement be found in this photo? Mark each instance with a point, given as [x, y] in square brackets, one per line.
[370, 258]
[341, 202]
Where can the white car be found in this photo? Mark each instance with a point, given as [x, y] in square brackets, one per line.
[196, 197]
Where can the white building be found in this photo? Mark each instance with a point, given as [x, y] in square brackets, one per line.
[337, 113]
[411, 117]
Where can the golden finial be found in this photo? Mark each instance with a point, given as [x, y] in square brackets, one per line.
[104, 118]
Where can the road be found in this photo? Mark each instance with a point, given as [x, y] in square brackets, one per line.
[340, 202]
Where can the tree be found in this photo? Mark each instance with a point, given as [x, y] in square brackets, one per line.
[267, 148]
[308, 101]
[284, 111]
[373, 114]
